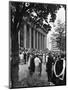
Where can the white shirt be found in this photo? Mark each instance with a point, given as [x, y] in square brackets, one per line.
[29, 61]
[43, 57]
[37, 61]
[21, 56]
[46, 58]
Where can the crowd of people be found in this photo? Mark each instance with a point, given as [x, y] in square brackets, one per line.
[55, 65]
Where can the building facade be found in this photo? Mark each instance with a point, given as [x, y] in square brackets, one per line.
[30, 37]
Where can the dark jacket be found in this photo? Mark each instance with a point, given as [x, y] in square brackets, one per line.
[49, 63]
[32, 64]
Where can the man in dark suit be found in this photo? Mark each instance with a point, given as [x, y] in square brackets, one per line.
[32, 65]
[49, 67]
[25, 57]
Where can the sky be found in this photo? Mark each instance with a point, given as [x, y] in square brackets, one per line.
[60, 15]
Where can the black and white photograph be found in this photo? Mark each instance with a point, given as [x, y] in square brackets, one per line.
[37, 44]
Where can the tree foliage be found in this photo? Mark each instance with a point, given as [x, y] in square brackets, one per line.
[34, 12]
[60, 36]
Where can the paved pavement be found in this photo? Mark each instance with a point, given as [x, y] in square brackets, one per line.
[23, 72]
[35, 80]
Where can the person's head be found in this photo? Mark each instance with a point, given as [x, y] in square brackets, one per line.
[31, 54]
[46, 54]
[36, 55]
[62, 55]
[49, 53]
[20, 52]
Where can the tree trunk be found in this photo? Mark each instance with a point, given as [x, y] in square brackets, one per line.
[14, 58]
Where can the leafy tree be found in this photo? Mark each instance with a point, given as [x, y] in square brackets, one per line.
[60, 36]
[61, 39]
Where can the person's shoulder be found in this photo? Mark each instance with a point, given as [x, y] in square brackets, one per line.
[36, 58]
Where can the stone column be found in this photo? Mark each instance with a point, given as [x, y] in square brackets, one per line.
[37, 40]
[40, 40]
[45, 42]
[19, 38]
[30, 37]
[34, 39]
[25, 31]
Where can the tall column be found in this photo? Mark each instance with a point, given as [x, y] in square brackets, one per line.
[37, 40]
[33, 38]
[25, 31]
[19, 38]
[30, 37]
[45, 42]
[40, 40]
